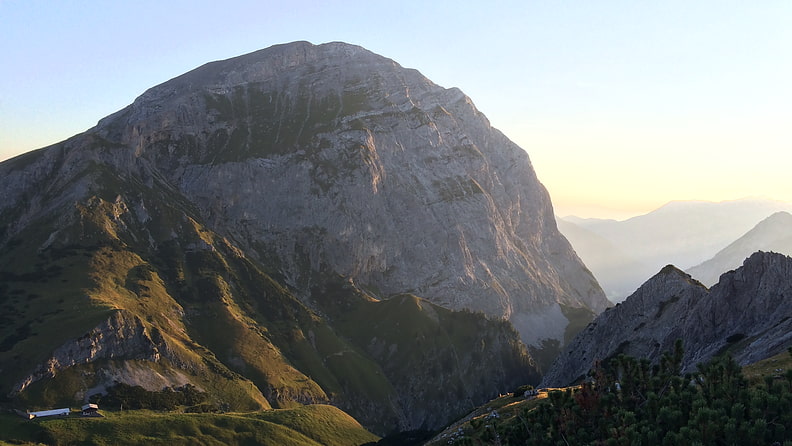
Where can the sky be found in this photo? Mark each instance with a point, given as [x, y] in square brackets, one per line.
[622, 106]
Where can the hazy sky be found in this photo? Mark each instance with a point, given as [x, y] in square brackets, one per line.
[621, 105]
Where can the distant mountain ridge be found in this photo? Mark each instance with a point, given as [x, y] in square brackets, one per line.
[683, 233]
[617, 269]
[748, 314]
[771, 234]
[303, 224]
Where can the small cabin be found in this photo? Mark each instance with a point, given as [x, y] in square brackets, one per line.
[90, 410]
[531, 392]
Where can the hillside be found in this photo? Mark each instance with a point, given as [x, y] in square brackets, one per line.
[196, 311]
[305, 426]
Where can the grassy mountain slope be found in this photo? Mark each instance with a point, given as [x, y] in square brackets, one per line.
[304, 426]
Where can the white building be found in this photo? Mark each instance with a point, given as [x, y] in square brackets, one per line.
[50, 413]
[90, 410]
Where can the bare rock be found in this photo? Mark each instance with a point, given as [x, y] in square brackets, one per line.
[747, 314]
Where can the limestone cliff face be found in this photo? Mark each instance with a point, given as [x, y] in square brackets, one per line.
[331, 158]
[747, 313]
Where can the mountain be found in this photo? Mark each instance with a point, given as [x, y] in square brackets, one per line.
[771, 234]
[302, 224]
[747, 314]
[366, 169]
[683, 233]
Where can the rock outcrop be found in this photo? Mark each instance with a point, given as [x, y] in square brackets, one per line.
[747, 314]
[121, 336]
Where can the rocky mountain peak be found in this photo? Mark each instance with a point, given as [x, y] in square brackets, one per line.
[274, 99]
[263, 65]
[670, 275]
[762, 270]
[370, 171]
[746, 313]
[761, 266]
[669, 283]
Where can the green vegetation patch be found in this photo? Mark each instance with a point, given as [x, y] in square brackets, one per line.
[303, 426]
[627, 402]
[775, 366]
[263, 123]
[415, 345]
[457, 188]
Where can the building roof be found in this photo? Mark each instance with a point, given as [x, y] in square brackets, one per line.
[49, 413]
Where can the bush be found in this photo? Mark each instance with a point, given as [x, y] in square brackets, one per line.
[124, 396]
[203, 408]
[520, 391]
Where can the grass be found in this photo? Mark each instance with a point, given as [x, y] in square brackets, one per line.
[43, 300]
[507, 408]
[414, 343]
[302, 426]
[62, 291]
[773, 366]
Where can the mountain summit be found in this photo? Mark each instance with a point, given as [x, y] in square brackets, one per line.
[311, 218]
[333, 158]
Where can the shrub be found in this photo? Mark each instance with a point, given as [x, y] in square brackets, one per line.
[520, 391]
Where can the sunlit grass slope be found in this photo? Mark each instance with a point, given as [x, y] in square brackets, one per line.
[304, 426]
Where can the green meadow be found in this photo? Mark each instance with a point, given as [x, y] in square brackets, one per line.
[312, 425]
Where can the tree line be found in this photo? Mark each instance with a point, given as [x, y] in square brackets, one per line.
[627, 401]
